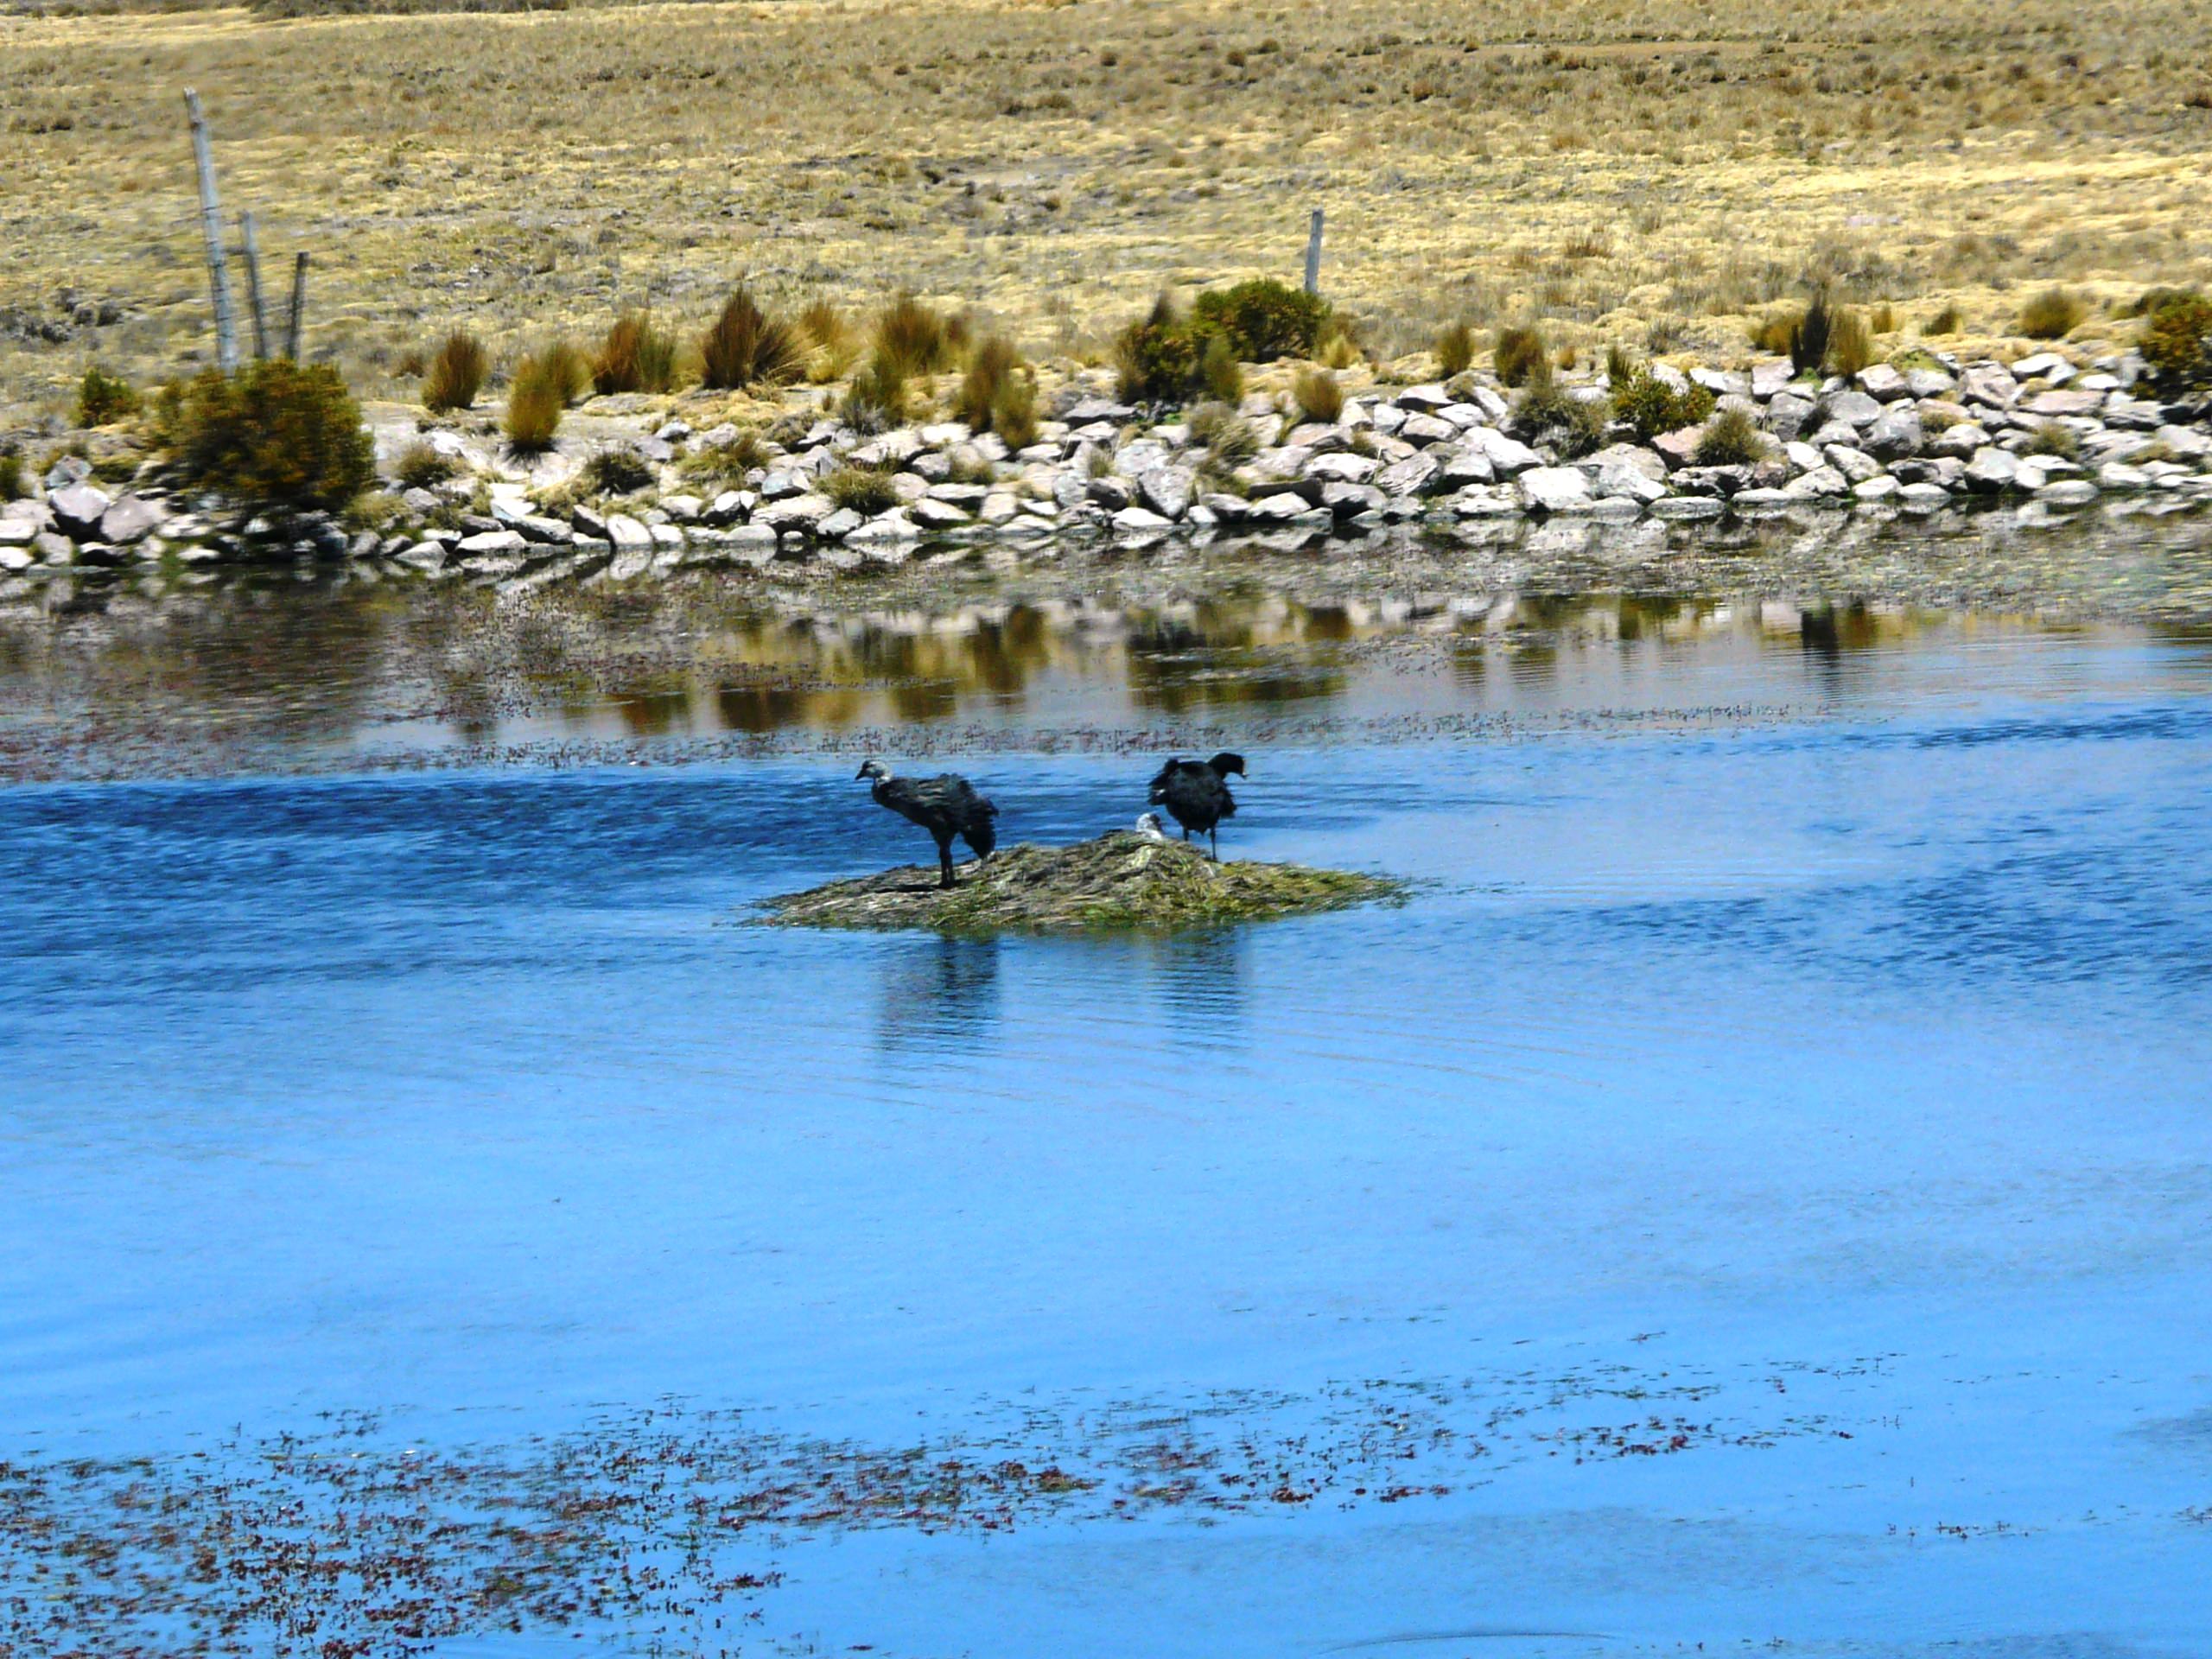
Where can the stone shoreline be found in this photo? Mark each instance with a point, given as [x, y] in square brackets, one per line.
[1940, 435]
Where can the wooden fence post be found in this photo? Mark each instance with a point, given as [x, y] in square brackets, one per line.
[211, 226]
[298, 316]
[1313, 255]
[250, 247]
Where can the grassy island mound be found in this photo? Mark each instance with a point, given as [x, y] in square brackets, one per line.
[1119, 882]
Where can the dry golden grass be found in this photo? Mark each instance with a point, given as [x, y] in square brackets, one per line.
[1051, 165]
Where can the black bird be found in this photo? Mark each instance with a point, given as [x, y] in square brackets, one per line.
[1196, 793]
[946, 806]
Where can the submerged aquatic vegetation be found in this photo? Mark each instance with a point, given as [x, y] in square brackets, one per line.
[1118, 883]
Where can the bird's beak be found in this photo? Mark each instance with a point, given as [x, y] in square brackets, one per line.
[862, 773]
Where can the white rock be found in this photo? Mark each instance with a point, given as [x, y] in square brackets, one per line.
[1554, 489]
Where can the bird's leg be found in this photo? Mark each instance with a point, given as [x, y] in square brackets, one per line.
[945, 863]
[1214, 841]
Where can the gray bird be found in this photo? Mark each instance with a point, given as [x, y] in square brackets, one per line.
[946, 806]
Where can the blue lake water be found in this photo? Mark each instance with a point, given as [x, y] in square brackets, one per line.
[1824, 1087]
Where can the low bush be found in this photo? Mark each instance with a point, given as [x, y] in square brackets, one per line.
[1772, 330]
[1455, 350]
[1227, 437]
[2176, 341]
[274, 435]
[1947, 321]
[831, 346]
[419, 466]
[1318, 395]
[1883, 320]
[618, 471]
[1156, 358]
[998, 392]
[1520, 352]
[1730, 438]
[1651, 406]
[1851, 346]
[912, 338]
[2052, 439]
[726, 463]
[2052, 314]
[865, 490]
[535, 398]
[1809, 337]
[103, 398]
[744, 347]
[1619, 366]
[1263, 319]
[457, 371]
[875, 398]
[12, 487]
[1337, 349]
[634, 356]
[1221, 377]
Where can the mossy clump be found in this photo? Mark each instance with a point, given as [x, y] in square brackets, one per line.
[2176, 341]
[104, 399]
[1730, 438]
[865, 490]
[1520, 353]
[1120, 883]
[1652, 406]
[2052, 314]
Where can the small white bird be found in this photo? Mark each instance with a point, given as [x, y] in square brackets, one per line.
[1150, 828]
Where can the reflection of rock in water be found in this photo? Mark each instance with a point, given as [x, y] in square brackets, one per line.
[938, 994]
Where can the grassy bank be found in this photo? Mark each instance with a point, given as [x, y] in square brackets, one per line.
[1653, 173]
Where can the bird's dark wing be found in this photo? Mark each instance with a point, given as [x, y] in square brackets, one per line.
[1159, 781]
[1228, 803]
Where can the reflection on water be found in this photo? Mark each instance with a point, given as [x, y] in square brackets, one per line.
[938, 995]
[303, 674]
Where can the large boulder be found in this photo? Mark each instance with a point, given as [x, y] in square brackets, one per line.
[1411, 476]
[1787, 414]
[1554, 489]
[130, 520]
[1167, 489]
[1855, 408]
[1897, 435]
[1992, 470]
[77, 510]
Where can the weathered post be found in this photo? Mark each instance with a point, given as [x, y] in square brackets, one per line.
[211, 226]
[293, 323]
[1313, 255]
[250, 247]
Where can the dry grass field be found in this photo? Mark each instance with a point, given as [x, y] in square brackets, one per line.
[1649, 170]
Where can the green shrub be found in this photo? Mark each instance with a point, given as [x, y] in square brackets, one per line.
[1455, 350]
[1318, 395]
[1337, 348]
[535, 400]
[2052, 439]
[912, 338]
[2052, 314]
[866, 490]
[1521, 352]
[1157, 358]
[275, 434]
[2176, 341]
[1809, 337]
[1013, 411]
[1850, 347]
[1262, 318]
[1575, 424]
[634, 356]
[618, 471]
[1730, 438]
[1221, 377]
[12, 487]
[1619, 366]
[1651, 406]
[102, 397]
[1948, 320]
[456, 373]
[744, 347]
[419, 466]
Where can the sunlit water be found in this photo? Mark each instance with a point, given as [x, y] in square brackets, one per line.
[1832, 1075]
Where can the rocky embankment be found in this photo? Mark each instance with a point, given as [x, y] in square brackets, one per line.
[1934, 434]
